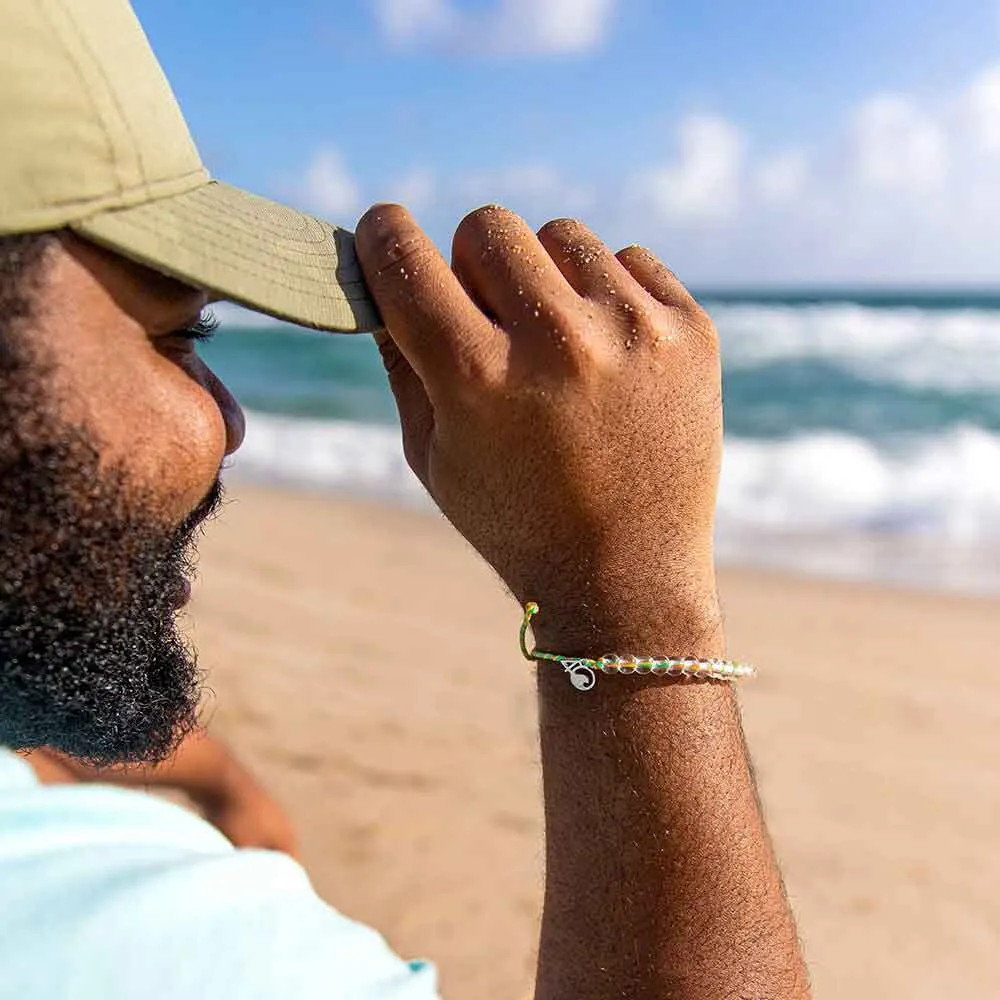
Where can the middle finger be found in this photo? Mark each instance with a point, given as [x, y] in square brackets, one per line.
[507, 271]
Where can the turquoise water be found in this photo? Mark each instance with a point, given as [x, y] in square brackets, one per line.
[877, 366]
[846, 414]
[299, 373]
[777, 398]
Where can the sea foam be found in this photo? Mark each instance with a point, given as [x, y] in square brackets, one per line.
[952, 349]
[945, 485]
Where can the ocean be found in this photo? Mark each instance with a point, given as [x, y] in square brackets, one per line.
[863, 428]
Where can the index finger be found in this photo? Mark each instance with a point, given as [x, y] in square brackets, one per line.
[433, 322]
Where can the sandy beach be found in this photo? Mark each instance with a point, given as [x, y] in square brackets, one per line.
[365, 663]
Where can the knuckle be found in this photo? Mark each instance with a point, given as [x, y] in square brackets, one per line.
[479, 226]
[392, 357]
[574, 343]
[638, 320]
[398, 257]
[700, 327]
[558, 322]
[477, 371]
[660, 324]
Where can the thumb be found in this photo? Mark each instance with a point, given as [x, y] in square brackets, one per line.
[416, 414]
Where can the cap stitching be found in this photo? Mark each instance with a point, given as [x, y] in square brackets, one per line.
[83, 83]
[240, 210]
[269, 276]
[207, 225]
[238, 207]
[304, 249]
[136, 148]
[121, 193]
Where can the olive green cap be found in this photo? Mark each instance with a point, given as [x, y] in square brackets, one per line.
[92, 139]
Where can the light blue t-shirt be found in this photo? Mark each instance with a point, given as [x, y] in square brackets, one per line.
[111, 894]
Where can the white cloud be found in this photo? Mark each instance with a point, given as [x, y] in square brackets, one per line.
[897, 146]
[782, 177]
[406, 22]
[703, 184]
[535, 190]
[531, 189]
[898, 191]
[983, 105]
[415, 189]
[505, 27]
[904, 190]
[329, 189]
[552, 25]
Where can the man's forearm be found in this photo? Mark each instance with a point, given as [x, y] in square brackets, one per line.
[202, 766]
[660, 878]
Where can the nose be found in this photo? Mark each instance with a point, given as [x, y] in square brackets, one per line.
[232, 412]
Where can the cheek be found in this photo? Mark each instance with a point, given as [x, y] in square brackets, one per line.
[167, 432]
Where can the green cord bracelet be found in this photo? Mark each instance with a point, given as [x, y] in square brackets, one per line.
[583, 671]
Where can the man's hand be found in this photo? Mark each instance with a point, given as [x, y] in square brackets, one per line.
[562, 405]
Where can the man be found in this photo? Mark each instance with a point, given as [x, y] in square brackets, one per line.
[562, 406]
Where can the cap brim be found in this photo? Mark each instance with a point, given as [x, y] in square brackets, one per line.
[248, 250]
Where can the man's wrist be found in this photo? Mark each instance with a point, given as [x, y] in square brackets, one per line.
[679, 623]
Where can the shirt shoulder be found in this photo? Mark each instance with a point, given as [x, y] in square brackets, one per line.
[114, 894]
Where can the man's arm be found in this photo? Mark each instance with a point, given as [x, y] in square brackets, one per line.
[660, 879]
[207, 771]
[562, 404]
[202, 766]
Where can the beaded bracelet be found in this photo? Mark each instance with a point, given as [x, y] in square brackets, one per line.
[583, 672]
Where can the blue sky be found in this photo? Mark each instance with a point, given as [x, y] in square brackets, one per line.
[778, 143]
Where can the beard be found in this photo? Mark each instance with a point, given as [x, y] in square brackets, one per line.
[92, 659]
